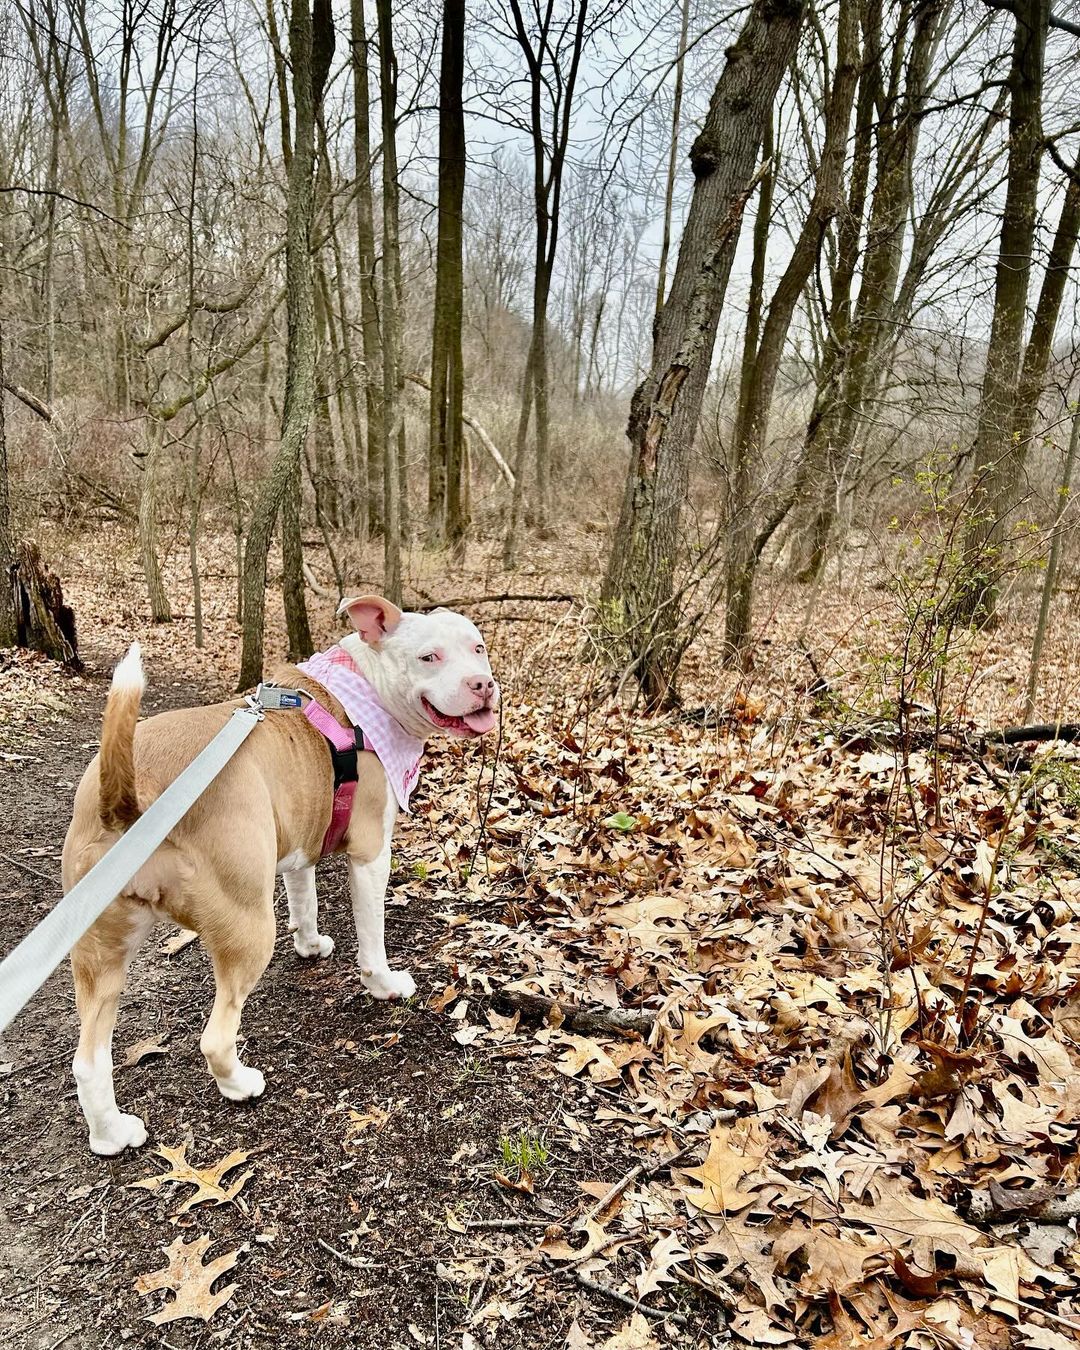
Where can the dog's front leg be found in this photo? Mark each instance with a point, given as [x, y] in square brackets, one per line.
[367, 886]
[304, 914]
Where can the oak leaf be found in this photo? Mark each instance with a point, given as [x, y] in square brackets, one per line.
[190, 1280]
[207, 1181]
[633, 1335]
[734, 1153]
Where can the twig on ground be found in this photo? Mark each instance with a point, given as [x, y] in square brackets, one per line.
[353, 1262]
[627, 1302]
[592, 1021]
[639, 1170]
[33, 871]
[470, 1224]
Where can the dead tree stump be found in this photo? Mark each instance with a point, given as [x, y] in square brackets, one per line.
[42, 621]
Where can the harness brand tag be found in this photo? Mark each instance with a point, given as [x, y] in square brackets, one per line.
[271, 696]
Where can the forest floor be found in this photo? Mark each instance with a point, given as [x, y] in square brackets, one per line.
[857, 959]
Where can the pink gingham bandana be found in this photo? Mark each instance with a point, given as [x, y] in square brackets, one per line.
[398, 752]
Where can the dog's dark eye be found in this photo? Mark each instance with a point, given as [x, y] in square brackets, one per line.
[430, 656]
[480, 649]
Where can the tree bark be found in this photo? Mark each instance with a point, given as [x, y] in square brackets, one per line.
[391, 311]
[1052, 563]
[856, 347]
[365, 254]
[311, 46]
[997, 462]
[160, 610]
[639, 595]
[446, 433]
[756, 393]
[7, 540]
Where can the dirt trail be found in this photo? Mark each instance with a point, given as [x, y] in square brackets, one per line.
[374, 1122]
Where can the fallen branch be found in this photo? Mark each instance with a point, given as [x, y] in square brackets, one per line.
[493, 600]
[596, 1020]
[353, 1262]
[316, 585]
[471, 1224]
[32, 401]
[676, 1318]
[1001, 1205]
[641, 1170]
[1062, 731]
[481, 435]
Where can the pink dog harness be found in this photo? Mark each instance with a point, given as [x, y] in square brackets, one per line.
[373, 728]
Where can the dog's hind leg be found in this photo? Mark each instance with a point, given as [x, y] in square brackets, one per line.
[304, 913]
[240, 943]
[99, 963]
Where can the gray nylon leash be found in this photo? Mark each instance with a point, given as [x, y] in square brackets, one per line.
[24, 970]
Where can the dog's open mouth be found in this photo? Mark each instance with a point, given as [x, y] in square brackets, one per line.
[475, 723]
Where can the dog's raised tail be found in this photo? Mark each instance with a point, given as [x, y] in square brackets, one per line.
[118, 799]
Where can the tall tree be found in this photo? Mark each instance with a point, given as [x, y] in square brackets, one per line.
[311, 47]
[365, 257]
[393, 403]
[552, 48]
[639, 594]
[997, 458]
[446, 507]
[759, 376]
[7, 538]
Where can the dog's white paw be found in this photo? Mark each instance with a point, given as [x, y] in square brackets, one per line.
[386, 984]
[123, 1132]
[320, 945]
[242, 1084]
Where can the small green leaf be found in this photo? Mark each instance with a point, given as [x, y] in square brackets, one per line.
[621, 821]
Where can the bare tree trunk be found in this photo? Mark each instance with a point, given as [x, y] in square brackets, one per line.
[1040, 344]
[834, 426]
[160, 610]
[391, 312]
[752, 424]
[997, 464]
[639, 594]
[311, 46]
[7, 538]
[446, 435]
[292, 570]
[1052, 564]
[673, 157]
[365, 251]
[547, 79]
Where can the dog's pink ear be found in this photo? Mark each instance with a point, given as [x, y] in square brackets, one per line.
[371, 616]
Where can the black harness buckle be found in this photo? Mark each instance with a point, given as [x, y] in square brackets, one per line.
[344, 761]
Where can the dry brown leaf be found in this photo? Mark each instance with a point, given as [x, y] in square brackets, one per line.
[153, 1045]
[190, 1280]
[735, 1152]
[833, 1265]
[633, 1335]
[207, 1181]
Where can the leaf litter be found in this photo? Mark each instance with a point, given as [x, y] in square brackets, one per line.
[863, 974]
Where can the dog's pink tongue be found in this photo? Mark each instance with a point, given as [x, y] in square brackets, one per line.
[481, 721]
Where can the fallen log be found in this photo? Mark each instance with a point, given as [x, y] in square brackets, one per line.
[592, 1021]
[999, 1204]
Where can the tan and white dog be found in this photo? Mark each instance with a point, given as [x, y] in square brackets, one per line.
[266, 814]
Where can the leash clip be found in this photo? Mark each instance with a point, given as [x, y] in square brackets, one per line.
[254, 705]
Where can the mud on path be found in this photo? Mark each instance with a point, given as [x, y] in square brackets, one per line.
[374, 1124]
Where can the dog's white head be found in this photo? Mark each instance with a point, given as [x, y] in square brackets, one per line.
[430, 670]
